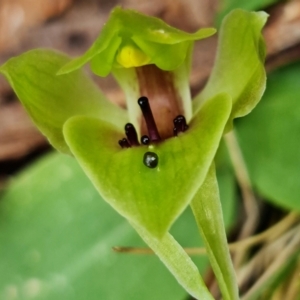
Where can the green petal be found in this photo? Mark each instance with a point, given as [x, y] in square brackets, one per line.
[239, 66]
[102, 63]
[207, 209]
[155, 30]
[50, 100]
[166, 57]
[139, 193]
[103, 43]
[128, 25]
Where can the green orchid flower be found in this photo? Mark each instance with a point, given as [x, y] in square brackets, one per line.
[150, 160]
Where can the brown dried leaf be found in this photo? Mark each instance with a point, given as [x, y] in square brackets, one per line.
[16, 16]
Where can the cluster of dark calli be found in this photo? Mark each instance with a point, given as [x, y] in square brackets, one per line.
[150, 158]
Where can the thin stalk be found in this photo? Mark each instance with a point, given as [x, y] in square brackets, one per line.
[293, 290]
[277, 255]
[249, 200]
[266, 236]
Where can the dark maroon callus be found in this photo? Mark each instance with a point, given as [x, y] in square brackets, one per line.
[150, 122]
[131, 135]
[124, 143]
[179, 125]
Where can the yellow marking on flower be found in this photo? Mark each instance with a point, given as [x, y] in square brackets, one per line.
[130, 56]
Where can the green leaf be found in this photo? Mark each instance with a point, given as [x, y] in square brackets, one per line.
[56, 235]
[50, 100]
[207, 210]
[135, 191]
[269, 139]
[152, 35]
[239, 65]
[178, 262]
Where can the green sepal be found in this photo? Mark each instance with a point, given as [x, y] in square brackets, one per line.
[178, 262]
[101, 64]
[239, 65]
[50, 100]
[156, 39]
[136, 191]
[103, 43]
[206, 207]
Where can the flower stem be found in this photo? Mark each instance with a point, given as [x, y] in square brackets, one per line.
[250, 202]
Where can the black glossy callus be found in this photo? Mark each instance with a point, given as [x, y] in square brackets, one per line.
[150, 160]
